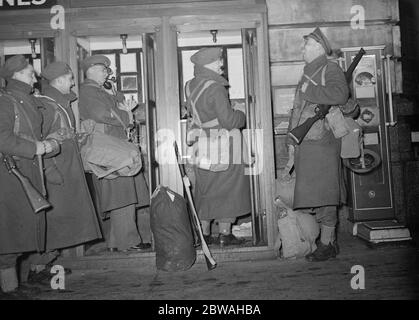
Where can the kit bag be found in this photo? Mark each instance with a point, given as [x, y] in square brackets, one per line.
[172, 231]
[107, 156]
[297, 233]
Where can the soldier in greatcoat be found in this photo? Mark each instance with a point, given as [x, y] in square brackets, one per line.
[225, 195]
[72, 219]
[118, 198]
[318, 167]
[21, 230]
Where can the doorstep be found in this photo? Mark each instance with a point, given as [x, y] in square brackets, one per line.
[146, 261]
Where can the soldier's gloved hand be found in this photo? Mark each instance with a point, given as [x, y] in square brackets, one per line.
[40, 148]
[51, 145]
[322, 110]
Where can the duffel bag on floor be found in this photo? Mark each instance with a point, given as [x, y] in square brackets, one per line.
[172, 231]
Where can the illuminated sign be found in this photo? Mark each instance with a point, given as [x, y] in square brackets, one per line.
[26, 4]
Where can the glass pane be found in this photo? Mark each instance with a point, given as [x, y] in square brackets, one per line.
[129, 83]
[37, 66]
[187, 65]
[128, 62]
[235, 73]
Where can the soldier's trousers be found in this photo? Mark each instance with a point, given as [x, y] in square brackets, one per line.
[327, 215]
[8, 260]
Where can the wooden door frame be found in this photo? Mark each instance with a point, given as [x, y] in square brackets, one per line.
[264, 118]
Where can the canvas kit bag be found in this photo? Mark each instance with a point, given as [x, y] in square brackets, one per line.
[172, 231]
[107, 156]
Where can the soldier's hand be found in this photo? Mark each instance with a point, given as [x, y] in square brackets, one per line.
[40, 148]
[51, 145]
[128, 105]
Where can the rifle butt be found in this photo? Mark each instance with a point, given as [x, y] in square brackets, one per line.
[36, 200]
[299, 132]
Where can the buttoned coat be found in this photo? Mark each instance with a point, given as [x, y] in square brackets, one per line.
[72, 219]
[317, 159]
[21, 230]
[224, 194]
[97, 104]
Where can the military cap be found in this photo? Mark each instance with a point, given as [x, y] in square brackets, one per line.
[12, 65]
[206, 55]
[318, 35]
[371, 161]
[95, 60]
[55, 70]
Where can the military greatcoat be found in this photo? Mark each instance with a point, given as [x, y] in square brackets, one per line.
[21, 230]
[97, 104]
[224, 194]
[317, 159]
[72, 219]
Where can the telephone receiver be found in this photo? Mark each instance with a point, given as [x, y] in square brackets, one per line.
[108, 84]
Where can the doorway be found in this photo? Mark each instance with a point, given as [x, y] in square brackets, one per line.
[239, 54]
[132, 58]
[38, 51]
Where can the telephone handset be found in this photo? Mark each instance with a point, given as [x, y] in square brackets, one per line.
[108, 85]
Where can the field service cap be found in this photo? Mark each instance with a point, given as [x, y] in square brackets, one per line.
[12, 65]
[318, 35]
[95, 60]
[55, 70]
[206, 55]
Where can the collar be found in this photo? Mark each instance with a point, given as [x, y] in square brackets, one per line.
[55, 94]
[202, 72]
[16, 85]
[314, 65]
[92, 83]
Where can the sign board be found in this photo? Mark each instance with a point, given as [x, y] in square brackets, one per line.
[26, 4]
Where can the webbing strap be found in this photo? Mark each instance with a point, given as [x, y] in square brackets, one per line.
[195, 116]
[18, 111]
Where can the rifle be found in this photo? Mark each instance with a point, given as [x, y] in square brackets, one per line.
[211, 264]
[36, 200]
[299, 132]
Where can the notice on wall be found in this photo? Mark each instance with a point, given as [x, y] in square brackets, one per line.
[371, 139]
[364, 78]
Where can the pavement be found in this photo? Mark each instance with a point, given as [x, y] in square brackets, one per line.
[360, 272]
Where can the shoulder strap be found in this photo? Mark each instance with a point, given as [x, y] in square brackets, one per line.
[324, 75]
[57, 114]
[18, 110]
[200, 88]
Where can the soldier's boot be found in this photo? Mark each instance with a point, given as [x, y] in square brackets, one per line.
[327, 247]
[8, 280]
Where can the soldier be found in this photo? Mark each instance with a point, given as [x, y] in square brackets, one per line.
[225, 195]
[120, 197]
[21, 230]
[317, 159]
[72, 219]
